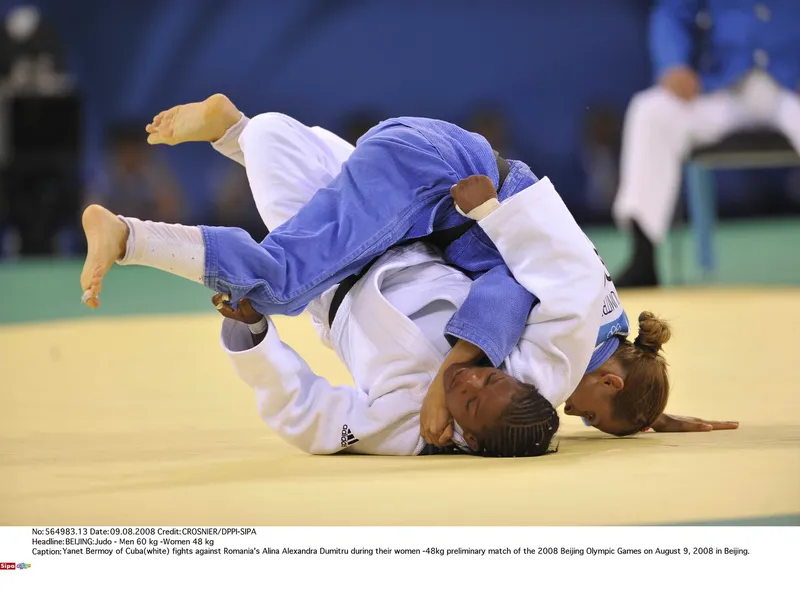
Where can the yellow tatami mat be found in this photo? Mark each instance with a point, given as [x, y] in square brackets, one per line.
[142, 421]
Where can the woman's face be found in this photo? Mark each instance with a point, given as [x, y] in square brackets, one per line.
[593, 400]
[477, 396]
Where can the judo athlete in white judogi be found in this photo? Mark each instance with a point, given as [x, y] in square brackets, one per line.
[487, 403]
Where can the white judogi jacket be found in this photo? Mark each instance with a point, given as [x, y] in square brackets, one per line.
[388, 333]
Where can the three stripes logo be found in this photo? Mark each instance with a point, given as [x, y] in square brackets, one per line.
[348, 439]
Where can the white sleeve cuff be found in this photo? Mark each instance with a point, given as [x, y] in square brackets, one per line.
[479, 212]
[236, 336]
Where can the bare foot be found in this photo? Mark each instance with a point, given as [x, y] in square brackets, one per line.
[205, 121]
[106, 237]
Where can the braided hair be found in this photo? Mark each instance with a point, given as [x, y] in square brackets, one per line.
[526, 427]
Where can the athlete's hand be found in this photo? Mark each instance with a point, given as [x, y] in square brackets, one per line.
[473, 191]
[677, 424]
[244, 313]
[435, 422]
[681, 81]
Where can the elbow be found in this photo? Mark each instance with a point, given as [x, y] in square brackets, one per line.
[298, 431]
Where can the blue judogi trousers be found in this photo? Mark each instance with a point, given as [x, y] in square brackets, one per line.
[395, 187]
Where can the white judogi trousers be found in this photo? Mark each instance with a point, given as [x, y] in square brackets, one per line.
[661, 130]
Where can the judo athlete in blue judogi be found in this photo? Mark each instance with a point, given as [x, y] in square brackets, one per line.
[394, 187]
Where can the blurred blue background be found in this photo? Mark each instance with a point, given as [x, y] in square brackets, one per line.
[543, 63]
[550, 79]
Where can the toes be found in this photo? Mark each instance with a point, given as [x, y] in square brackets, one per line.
[167, 135]
[97, 284]
[89, 300]
[92, 285]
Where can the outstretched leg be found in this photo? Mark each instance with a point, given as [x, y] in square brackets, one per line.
[176, 249]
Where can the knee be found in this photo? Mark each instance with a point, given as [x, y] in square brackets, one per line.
[655, 108]
[267, 128]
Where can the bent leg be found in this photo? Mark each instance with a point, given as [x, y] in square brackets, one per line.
[660, 130]
[370, 206]
[382, 189]
[656, 137]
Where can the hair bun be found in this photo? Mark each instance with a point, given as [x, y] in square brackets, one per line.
[653, 332]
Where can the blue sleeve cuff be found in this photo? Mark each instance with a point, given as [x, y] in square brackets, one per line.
[493, 315]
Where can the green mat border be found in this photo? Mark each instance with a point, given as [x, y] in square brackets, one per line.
[792, 520]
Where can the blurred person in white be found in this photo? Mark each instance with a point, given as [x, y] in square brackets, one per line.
[721, 66]
[135, 180]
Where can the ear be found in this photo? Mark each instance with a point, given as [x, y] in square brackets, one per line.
[472, 441]
[615, 381]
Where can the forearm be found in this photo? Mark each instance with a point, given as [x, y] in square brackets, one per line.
[292, 400]
[259, 337]
[493, 315]
[462, 352]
